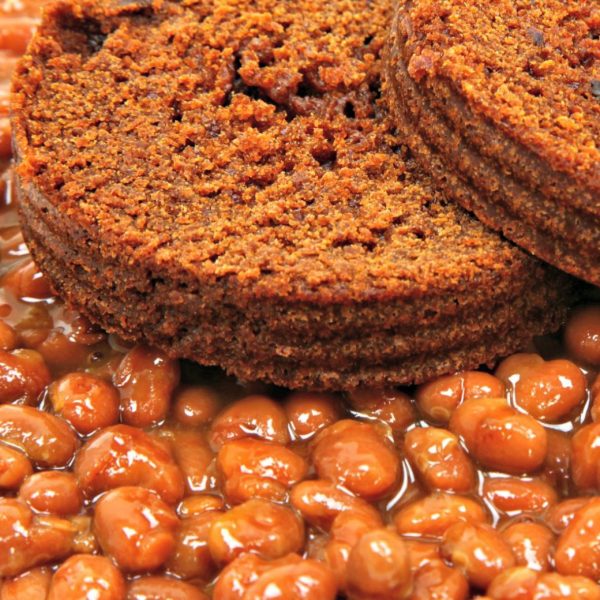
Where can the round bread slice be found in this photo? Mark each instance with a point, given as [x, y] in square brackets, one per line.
[220, 180]
[500, 100]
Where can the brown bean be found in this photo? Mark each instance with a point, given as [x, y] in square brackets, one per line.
[320, 502]
[146, 380]
[26, 281]
[356, 456]
[126, 456]
[585, 458]
[305, 580]
[552, 390]
[431, 516]
[437, 581]
[578, 548]
[531, 545]
[478, 550]
[379, 567]
[163, 588]
[439, 460]
[46, 440]
[31, 585]
[421, 553]
[392, 407]
[135, 528]
[23, 376]
[87, 402]
[53, 492]
[191, 558]
[308, 413]
[582, 334]
[253, 468]
[514, 496]
[257, 526]
[84, 576]
[253, 416]
[438, 398]
[196, 405]
[511, 369]
[499, 437]
[8, 337]
[561, 514]
[14, 467]
[196, 505]
[27, 540]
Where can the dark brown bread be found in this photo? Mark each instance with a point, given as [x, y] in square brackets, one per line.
[220, 180]
[501, 101]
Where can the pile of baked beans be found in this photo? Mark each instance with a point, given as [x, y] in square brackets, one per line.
[127, 475]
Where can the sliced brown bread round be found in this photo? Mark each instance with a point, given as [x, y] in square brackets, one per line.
[501, 102]
[221, 180]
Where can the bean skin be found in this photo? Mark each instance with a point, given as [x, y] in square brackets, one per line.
[135, 528]
[126, 456]
[46, 440]
[163, 588]
[31, 585]
[23, 376]
[438, 581]
[258, 526]
[531, 545]
[54, 492]
[83, 576]
[15, 467]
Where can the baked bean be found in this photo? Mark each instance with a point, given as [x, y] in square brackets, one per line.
[440, 397]
[521, 583]
[146, 380]
[53, 492]
[84, 576]
[164, 588]
[84, 541]
[514, 496]
[438, 581]
[257, 526]
[196, 505]
[578, 548]
[308, 413]
[195, 459]
[391, 407]
[431, 516]
[8, 337]
[196, 405]
[320, 502]
[531, 545]
[511, 369]
[499, 437]
[87, 402]
[253, 416]
[356, 456]
[421, 553]
[478, 550]
[439, 460]
[26, 281]
[561, 514]
[191, 558]
[14, 467]
[582, 334]
[379, 567]
[46, 440]
[31, 585]
[61, 353]
[595, 396]
[585, 457]
[256, 468]
[27, 540]
[126, 456]
[304, 580]
[557, 466]
[235, 579]
[135, 528]
[551, 390]
[34, 326]
[23, 376]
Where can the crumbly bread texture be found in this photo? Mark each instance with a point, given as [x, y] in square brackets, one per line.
[220, 179]
[500, 101]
